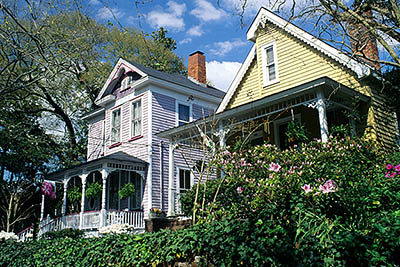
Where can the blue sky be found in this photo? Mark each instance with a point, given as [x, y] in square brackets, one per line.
[195, 25]
[199, 25]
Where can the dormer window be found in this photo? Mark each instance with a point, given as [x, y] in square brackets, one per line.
[126, 82]
[269, 63]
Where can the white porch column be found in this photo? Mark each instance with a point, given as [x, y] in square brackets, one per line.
[323, 121]
[171, 178]
[103, 215]
[83, 178]
[64, 206]
[42, 208]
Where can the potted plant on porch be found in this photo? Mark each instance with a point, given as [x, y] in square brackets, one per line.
[296, 133]
[126, 190]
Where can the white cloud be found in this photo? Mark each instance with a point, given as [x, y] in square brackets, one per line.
[252, 6]
[205, 11]
[228, 68]
[94, 2]
[109, 13]
[195, 31]
[222, 48]
[185, 41]
[169, 19]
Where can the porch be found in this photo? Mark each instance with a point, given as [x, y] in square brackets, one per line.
[319, 106]
[74, 207]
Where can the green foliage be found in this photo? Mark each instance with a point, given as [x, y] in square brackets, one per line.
[74, 194]
[296, 132]
[126, 190]
[330, 199]
[65, 233]
[93, 190]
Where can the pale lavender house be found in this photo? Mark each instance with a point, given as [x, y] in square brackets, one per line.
[135, 104]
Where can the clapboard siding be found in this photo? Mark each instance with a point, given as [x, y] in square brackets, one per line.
[164, 117]
[95, 140]
[200, 112]
[299, 63]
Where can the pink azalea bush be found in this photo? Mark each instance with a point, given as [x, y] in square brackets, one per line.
[332, 186]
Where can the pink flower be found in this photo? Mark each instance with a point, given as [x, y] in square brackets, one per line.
[389, 166]
[397, 168]
[392, 175]
[307, 188]
[387, 175]
[239, 190]
[243, 162]
[275, 167]
[328, 187]
[324, 189]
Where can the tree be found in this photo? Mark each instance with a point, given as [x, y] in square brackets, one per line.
[58, 56]
[333, 21]
[53, 61]
[24, 153]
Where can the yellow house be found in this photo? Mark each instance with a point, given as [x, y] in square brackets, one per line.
[290, 75]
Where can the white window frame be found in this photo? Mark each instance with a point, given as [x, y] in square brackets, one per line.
[266, 79]
[141, 118]
[178, 180]
[279, 122]
[126, 82]
[120, 125]
[177, 112]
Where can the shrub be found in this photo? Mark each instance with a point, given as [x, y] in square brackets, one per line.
[330, 198]
[65, 233]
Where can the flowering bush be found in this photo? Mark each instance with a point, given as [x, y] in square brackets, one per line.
[323, 195]
[116, 229]
[5, 236]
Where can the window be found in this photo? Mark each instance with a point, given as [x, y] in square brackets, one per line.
[116, 126]
[185, 181]
[270, 64]
[136, 123]
[183, 114]
[126, 82]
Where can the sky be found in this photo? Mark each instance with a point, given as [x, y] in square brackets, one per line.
[195, 25]
[211, 26]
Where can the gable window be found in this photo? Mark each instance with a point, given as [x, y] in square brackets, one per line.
[136, 123]
[270, 64]
[185, 180]
[183, 114]
[126, 82]
[116, 126]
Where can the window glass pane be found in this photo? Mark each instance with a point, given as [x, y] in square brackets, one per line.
[270, 55]
[116, 122]
[271, 72]
[136, 118]
[187, 179]
[183, 113]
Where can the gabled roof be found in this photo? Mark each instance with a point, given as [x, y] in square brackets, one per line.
[149, 72]
[264, 16]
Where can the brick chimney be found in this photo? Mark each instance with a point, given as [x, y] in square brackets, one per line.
[197, 67]
[363, 43]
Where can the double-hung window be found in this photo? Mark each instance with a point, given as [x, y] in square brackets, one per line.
[116, 126]
[185, 180]
[270, 64]
[136, 123]
[183, 114]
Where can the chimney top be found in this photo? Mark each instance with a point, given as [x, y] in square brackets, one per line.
[196, 52]
[363, 42]
[197, 67]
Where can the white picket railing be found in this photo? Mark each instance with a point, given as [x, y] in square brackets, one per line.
[91, 220]
[132, 218]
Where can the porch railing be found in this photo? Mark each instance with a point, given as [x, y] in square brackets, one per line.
[91, 220]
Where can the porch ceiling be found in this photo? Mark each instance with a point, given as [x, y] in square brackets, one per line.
[115, 158]
[300, 95]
